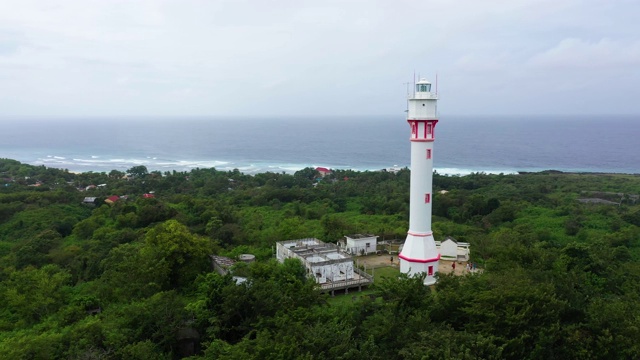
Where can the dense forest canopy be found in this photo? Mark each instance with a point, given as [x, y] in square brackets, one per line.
[130, 277]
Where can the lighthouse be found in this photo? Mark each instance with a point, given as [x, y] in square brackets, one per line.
[419, 253]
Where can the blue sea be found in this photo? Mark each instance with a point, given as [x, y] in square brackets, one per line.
[464, 144]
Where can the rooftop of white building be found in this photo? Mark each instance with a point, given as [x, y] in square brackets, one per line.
[314, 250]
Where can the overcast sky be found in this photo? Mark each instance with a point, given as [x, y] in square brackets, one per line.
[308, 58]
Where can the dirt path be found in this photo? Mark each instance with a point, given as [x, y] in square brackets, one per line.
[376, 261]
[445, 266]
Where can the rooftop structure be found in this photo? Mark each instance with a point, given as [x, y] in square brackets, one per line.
[221, 264]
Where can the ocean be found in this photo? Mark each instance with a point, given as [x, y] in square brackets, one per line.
[464, 144]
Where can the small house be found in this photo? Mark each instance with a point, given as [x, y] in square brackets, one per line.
[112, 199]
[394, 169]
[451, 249]
[361, 244]
[89, 200]
[323, 171]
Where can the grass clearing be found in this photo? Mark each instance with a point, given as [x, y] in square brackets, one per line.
[382, 272]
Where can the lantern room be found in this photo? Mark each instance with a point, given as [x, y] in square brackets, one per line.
[422, 103]
[423, 86]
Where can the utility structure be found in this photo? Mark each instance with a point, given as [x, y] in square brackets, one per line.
[419, 253]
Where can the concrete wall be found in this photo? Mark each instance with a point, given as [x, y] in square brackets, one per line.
[322, 262]
[355, 246]
[449, 248]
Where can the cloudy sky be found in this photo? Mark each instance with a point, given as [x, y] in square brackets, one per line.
[308, 58]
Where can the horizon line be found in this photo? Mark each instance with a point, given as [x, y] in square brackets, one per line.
[288, 116]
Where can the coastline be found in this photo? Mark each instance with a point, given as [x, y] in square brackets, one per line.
[264, 167]
[560, 172]
[510, 145]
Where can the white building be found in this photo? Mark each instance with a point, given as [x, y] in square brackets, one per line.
[419, 254]
[451, 249]
[361, 244]
[323, 261]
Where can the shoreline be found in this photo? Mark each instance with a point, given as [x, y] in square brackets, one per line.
[560, 172]
[260, 168]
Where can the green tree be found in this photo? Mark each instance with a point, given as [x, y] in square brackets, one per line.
[130, 274]
[186, 254]
[31, 294]
[138, 171]
[117, 175]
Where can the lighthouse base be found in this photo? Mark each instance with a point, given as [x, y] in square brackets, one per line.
[420, 255]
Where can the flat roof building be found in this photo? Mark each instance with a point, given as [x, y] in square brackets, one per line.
[361, 244]
[330, 267]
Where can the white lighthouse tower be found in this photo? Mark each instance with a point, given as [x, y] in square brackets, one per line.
[419, 254]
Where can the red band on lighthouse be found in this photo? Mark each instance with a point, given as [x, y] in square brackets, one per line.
[437, 258]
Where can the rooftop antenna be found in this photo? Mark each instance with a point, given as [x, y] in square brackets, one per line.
[407, 83]
[408, 91]
[436, 94]
[414, 83]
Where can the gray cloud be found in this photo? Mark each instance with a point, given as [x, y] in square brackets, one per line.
[297, 58]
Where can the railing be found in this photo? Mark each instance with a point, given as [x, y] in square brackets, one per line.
[363, 274]
[365, 279]
[345, 284]
[423, 95]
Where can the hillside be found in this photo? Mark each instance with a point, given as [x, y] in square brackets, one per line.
[85, 278]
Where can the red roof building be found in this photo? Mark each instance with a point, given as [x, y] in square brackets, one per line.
[112, 199]
[323, 171]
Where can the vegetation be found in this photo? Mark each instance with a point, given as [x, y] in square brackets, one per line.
[132, 280]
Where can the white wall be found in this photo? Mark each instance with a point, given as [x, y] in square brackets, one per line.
[418, 111]
[354, 246]
[338, 271]
[449, 248]
[319, 273]
[332, 272]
